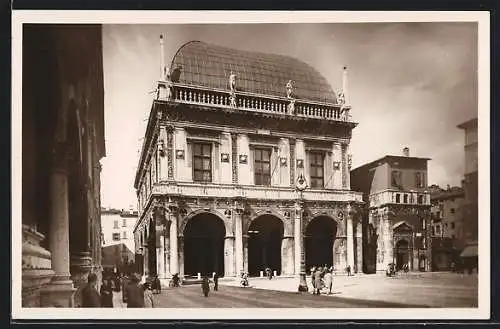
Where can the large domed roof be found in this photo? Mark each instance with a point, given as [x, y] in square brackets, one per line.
[208, 65]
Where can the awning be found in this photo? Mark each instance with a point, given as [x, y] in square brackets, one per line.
[469, 251]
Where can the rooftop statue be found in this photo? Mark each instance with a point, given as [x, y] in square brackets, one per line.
[340, 97]
[289, 89]
[176, 74]
[232, 81]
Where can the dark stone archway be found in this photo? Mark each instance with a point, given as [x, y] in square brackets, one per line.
[265, 234]
[402, 254]
[320, 235]
[204, 245]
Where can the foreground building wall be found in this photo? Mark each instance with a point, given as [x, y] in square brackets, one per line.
[63, 141]
[238, 173]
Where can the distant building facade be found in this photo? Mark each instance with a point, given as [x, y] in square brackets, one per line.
[246, 169]
[62, 144]
[470, 185]
[447, 226]
[397, 223]
[118, 247]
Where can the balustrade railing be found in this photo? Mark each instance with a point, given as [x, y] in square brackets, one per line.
[399, 197]
[258, 103]
[253, 192]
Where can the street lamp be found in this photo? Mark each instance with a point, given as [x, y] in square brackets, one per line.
[301, 185]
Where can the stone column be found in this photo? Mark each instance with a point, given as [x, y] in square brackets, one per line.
[59, 293]
[359, 247]
[287, 255]
[181, 256]
[160, 253]
[238, 238]
[229, 264]
[350, 237]
[174, 252]
[340, 254]
[245, 254]
[385, 243]
[296, 237]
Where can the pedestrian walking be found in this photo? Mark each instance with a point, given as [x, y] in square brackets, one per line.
[313, 283]
[90, 295]
[107, 293]
[348, 269]
[216, 281]
[317, 282]
[328, 278]
[135, 292]
[148, 295]
[205, 286]
[156, 285]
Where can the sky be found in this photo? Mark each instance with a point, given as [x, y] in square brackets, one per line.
[410, 85]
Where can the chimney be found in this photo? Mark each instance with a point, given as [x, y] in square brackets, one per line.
[344, 85]
[162, 59]
[406, 152]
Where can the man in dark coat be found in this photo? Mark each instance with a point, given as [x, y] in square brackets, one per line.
[135, 293]
[107, 293]
[216, 281]
[205, 286]
[90, 296]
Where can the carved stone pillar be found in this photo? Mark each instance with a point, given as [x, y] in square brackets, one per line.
[174, 251]
[238, 237]
[60, 291]
[287, 255]
[181, 255]
[350, 237]
[81, 266]
[229, 263]
[36, 267]
[385, 241]
[340, 254]
[245, 254]
[299, 251]
[358, 268]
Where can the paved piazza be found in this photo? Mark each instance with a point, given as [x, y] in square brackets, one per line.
[406, 290]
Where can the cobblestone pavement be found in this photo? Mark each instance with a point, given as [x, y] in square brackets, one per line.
[433, 289]
[360, 291]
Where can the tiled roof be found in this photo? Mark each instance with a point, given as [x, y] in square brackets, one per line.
[209, 65]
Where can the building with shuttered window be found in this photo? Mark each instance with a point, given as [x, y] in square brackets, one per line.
[245, 166]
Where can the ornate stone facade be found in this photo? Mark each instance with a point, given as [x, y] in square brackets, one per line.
[229, 201]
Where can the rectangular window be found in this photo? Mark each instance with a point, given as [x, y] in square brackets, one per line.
[420, 200]
[202, 160]
[262, 166]
[396, 178]
[115, 224]
[419, 179]
[438, 229]
[116, 236]
[452, 210]
[453, 225]
[124, 235]
[316, 160]
[124, 222]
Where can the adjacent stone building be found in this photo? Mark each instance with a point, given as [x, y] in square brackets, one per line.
[396, 223]
[470, 185]
[447, 226]
[62, 144]
[118, 248]
[244, 166]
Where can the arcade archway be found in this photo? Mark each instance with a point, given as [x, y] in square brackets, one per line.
[402, 254]
[264, 244]
[204, 245]
[320, 234]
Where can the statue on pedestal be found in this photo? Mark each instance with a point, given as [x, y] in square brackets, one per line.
[289, 89]
[340, 97]
[232, 87]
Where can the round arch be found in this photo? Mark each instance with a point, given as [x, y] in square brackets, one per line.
[265, 233]
[319, 237]
[227, 225]
[402, 253]
[204, 234]
[286, 229]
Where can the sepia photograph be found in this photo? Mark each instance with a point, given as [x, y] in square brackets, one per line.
[246, 165]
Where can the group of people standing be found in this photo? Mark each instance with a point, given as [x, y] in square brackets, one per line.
[322, 277]
[137, 294]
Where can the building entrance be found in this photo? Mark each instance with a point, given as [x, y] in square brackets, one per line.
[264, 244]
[204, 245]
[402, 254]
[320, 234]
